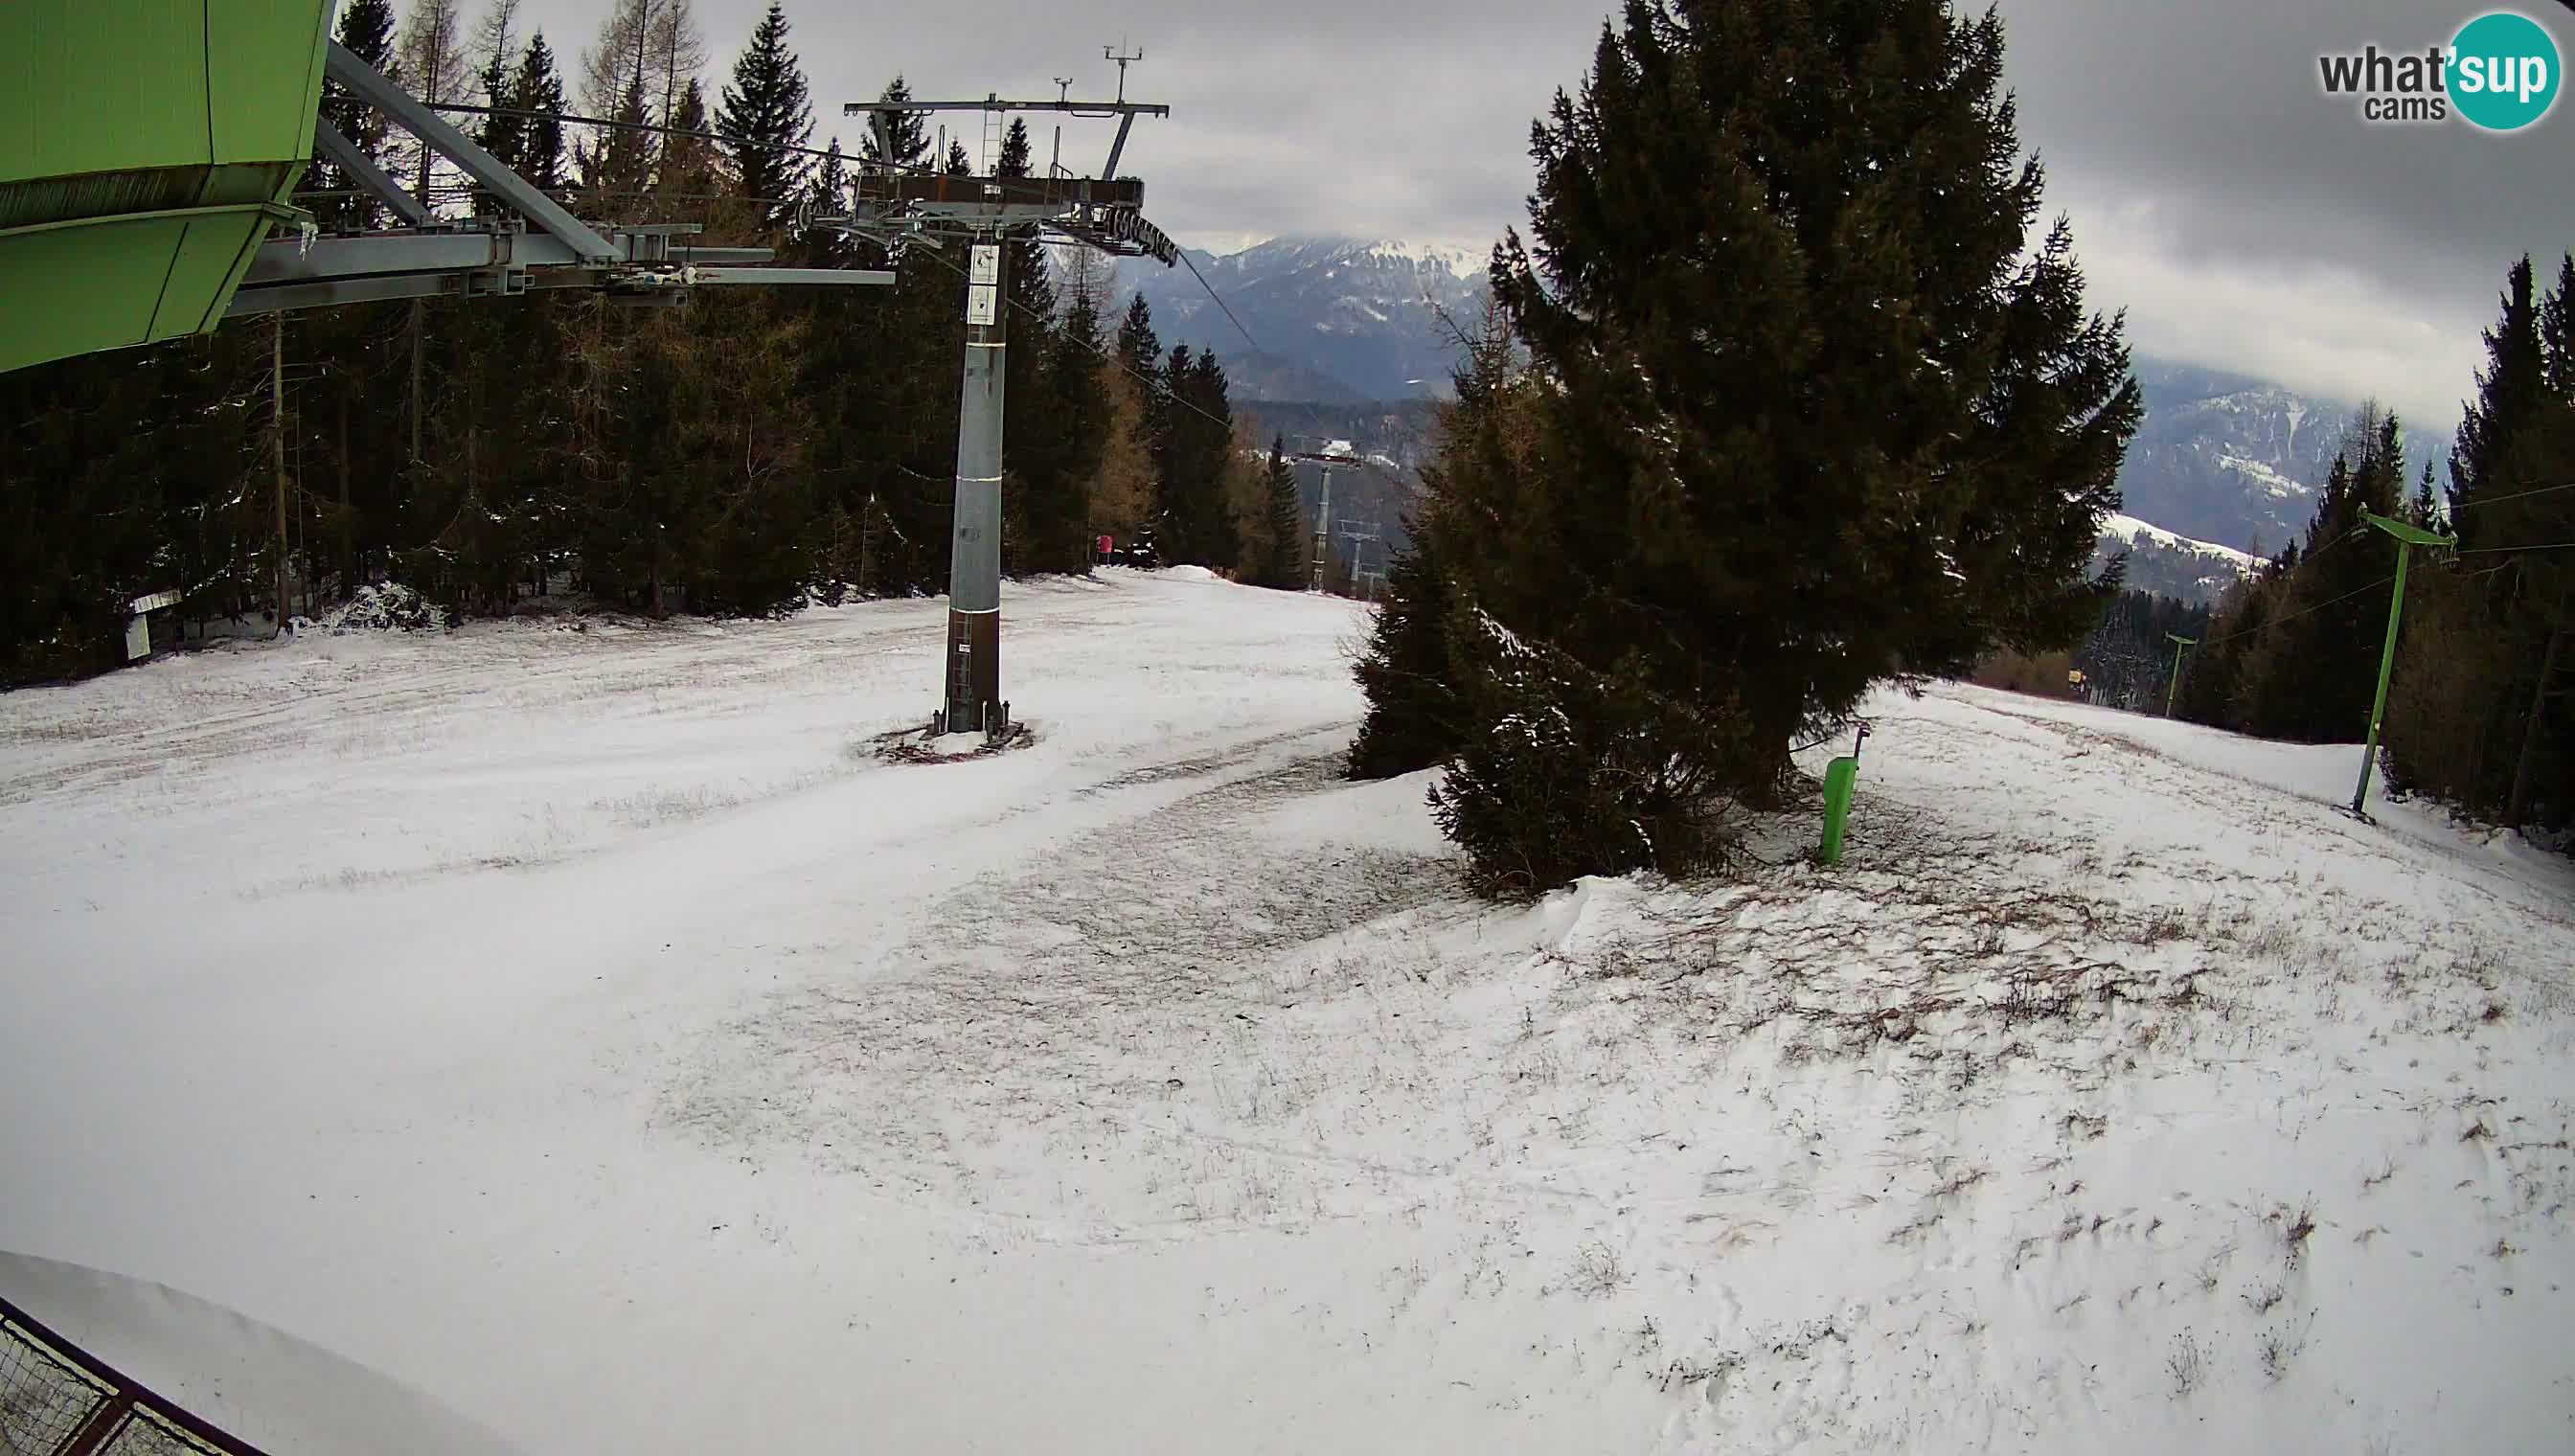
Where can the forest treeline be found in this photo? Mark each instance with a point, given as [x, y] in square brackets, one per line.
[748, 451]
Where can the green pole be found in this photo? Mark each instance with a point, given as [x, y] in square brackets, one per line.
[1840, 775]
[2180, 645]
[2407, 538]
[2386, 669]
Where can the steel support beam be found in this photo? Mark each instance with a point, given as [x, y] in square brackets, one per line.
[345, 155]
[363, 255]
[1118, 148]
[1046, 194]
[279, 298]
[515, 192]
[995, 103]
[791, 276]
[721, 257]
[251, 299]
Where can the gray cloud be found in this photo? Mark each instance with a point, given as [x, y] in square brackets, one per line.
[2244, 220]
[2248, 221]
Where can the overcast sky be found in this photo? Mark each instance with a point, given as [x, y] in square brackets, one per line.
[2244, 220]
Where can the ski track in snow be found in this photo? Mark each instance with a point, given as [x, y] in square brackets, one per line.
[585, 1028]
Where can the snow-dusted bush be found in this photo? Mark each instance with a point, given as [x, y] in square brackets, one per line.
[1564, 773]
[384, 606]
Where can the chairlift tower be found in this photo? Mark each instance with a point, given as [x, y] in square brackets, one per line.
[1324, 510]
[1358, 534]
[894, 207]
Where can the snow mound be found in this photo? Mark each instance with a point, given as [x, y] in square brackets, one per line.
[384, 606]
[1189, 573]
[248, 1379]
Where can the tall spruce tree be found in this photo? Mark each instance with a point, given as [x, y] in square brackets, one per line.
[688, 173]
[539, 89]
[366, 29]
[1286, 568]
[2510, 391]
[1210, 392]
[618, 168]
[1137, 346]
[1082, 412]
[900, 140]
[1194, 519]
[1139, 360]
[767, 110]
[1820, 410]
[2311, 673]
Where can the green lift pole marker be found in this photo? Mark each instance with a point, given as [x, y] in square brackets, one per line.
[2407, 538]
[1840, 776]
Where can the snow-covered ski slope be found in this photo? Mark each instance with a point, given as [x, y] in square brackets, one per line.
[584, 1029]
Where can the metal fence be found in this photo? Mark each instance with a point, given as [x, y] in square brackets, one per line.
[57, 1400]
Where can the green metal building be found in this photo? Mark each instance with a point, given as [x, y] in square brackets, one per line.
[147, 148]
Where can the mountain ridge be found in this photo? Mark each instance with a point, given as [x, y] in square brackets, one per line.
[1329, 319]
[2223, 458]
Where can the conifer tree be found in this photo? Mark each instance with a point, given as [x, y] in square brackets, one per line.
[618, 168]
[1080, 417]
[2488, 721]
[689, 162]
[2510, 390]
[1138, 348]
[765, 110]
[2311, 673]
[2557, 332]
[1821, 408]
[1415, 716]
[539, 88]
[366, 29]
[906, 131]
[1195, 522]
[1286, 568]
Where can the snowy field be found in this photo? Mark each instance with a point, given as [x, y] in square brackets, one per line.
[586, 1030]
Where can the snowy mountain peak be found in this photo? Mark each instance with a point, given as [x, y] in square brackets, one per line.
[1329, 318]
[1461, 263]
[2234, 460]
[1295, 251]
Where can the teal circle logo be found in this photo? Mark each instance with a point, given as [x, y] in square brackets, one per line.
[2504, 71]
